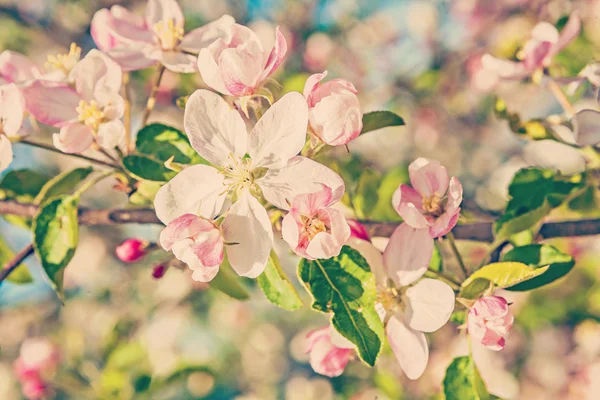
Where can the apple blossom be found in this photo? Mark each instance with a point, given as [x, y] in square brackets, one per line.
[334, 110]
[87, 112]
[424, 306]
[131, 250]
[238, 65]
[249, 167]
[545, 43]
[35, 367]
[329, 352]
[137, 43]
[490, 321]
[312, 228]
[197, 242]
[12, 109]
[433, 201]
[17, 68]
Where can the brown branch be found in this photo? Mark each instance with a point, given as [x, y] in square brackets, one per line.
[16, 261]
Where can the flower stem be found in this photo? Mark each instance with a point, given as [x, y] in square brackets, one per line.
[152, 98]
[459, 258]
[562, 98]
[55, 150]
[453, 283]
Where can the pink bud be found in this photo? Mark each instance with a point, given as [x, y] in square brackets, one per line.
[131, 250]
[490, 321]
[34, 389]
[159, 271]
[329, 352]
[357, 230]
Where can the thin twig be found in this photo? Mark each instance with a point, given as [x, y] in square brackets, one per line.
[459, 258]
[152, 98]
[55, 150]
[15, 262]
[562, 98]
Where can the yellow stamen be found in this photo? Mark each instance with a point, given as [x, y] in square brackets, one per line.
[433, 204]
[90, 114]
[66, 61]
[312, 226]
[169, 33]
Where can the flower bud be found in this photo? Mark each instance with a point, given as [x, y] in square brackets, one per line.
[490, 321]
[159, 271]
[329, 352]
[131, 250]
[357, 230]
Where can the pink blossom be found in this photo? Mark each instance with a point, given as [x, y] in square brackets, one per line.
[490, 321]
[132, 250]
[197, 242]
[433, 201]
[312, 228]
[137, 43]
[17, 68]
[12, 109]
[237, 65]
[86, 111]
[334, 110]
[357, 230]
[35, 388]
[329, 352]
[35, 366]
[545, 43]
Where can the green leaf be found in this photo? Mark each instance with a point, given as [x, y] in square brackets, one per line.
[144, 167]
[534, 192]
[538, 256]
[475, 288]
[55, 237]
[162, 142]
[586, 201]
[383, 210]
[63, 183]
[345, 286]
[504, 274]
[228, 282]
[463, 382]
[277, 286]
[380, 119]
[365, 195]
[21, 185]
[145, 193]
[437, 262]
[19, 275]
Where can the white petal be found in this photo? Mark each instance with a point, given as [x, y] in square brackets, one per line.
[179, 62]
[545, 32]
[197, 190]
[210, 72]
[199, 38]
[280, 133]
[215, 130]
[407, 255]
[409, 347]
[430, 304]
[372, 255]
[12, 109]
[248, 225]
[111, 134]
[300, 175]
[6, 153]
[554, 155]
[164, 11]
[587, 127]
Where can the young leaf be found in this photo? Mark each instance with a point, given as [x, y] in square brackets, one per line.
[463, 382]
[161, 142]
[277, 286]
[55, 237]
[229, 283]
[21, 274]
[63, 183]
[365, 196]
[540, 255]
[143, 167]
[534, 193]
[345, 286]
[475, 288]
[21, 185]
[380, 119]
[504, 274]
[437, 262]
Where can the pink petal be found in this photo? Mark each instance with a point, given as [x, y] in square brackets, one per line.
[124, 28]
[309, 204]
[290, 230]
[534, 59]
[163, 11]
[408, 203]
[326, 245]
[208, 247]
[325, 358]
[504, 68]
[490, 307]
[337, 118]
[101, 32]
[407, 255]
[428, 177]
[568, 33]
[205, 274]
[74, 138]
[197, 39]
[131, 57]
[52, 103]
[444, 224]
[15, 67]
[312, 83]
[183, 227]
[276, 56]
[210, 72]
[240, 70]
[357, 230]
[179, 62]
[409, 346]
[96, 73]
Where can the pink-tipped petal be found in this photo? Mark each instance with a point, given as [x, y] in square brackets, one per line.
[428, 177]
[200, 38]
[408, 203]
[52, 103]
[74, 138]
[164, 11]
[312, 83]
[407, 254]
[276, 56]
[15, 67]
[409, 346]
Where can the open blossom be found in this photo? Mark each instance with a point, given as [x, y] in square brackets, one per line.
[329, 351]
[312, 228]
[490, 321]
[137, 43]
[197, 242]
[237, 65]
[433, 201]
[12, 109]
[425, 306]
[545, 43]
[246, 166]
[87, 111]
[334, 110]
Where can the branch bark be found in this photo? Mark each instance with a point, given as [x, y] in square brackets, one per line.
[478, 232]
[16, 261]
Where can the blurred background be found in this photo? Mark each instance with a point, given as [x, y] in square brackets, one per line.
[119, 327]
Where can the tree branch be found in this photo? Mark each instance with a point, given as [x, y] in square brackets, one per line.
[478, 232]
[16, 261]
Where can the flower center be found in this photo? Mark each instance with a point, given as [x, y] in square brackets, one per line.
[238, 174]
[433, 204]
[90, 114]
[169, 34]
[66, 61]
[389, 298]
[312, 226]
